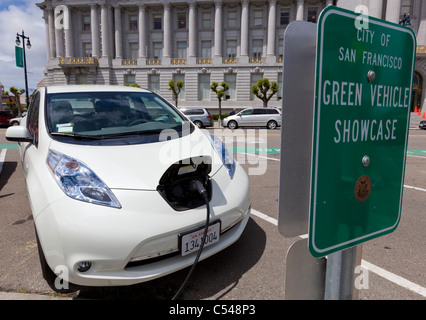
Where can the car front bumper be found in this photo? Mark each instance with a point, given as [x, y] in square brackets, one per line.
[73, 231]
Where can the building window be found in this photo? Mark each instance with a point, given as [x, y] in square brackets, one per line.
[134, 50]
[284, 17]
[133, 22]
[232, 19]
[253, 80]
[281, 48]
[206, 49]
[257, 48]
[154, 83]
[81, 79]
[85, 21]
[204, 87]
[157, 22]
[182, 20]
[231, 81]
[231, 48]
[87, 49]
[157, 50]
[129, 79]
[312, 14]
[181, 49]
[206, 19]
[258, 17]
[406, 7]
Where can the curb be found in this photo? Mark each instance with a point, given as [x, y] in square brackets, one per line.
[28, 296]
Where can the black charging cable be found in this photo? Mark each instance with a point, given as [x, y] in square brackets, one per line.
[198, 186]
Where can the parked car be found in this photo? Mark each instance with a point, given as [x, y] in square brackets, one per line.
[112, 175]
[5, 116]
[199, 116]
[16, 121]
[422, 124]
[256, 117]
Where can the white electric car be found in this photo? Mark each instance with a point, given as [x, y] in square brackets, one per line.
[110, 171]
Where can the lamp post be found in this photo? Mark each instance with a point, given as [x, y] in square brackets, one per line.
[18, 43]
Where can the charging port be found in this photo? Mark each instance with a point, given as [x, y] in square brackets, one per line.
[177, 183]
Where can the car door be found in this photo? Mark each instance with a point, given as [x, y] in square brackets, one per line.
[245, 117]
[260, 118]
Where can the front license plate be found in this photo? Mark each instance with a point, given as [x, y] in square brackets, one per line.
[190, 242]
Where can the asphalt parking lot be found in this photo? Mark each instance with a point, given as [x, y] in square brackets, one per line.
[251, 269]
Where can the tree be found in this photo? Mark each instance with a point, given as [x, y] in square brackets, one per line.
[220, 92]
[175, 88]
[261, 89]
[17, 93]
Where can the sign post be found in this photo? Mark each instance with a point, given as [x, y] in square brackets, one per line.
[363, 85]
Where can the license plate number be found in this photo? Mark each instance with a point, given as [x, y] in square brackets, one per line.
[191, 242]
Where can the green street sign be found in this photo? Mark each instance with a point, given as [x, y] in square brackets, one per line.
[19, 57]
[364, 73]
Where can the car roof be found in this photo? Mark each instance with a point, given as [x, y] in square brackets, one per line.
[92, 88]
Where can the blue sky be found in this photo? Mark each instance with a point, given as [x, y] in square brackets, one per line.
[15, 16]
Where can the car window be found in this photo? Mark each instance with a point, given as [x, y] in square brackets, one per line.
[272, 111]
[33, 117]
[107, 114]
[259, 111]
[246, 112]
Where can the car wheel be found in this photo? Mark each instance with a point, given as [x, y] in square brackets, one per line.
[48, 274]
[232, 125]
[271, 125]
[15, 123]
[198, 123]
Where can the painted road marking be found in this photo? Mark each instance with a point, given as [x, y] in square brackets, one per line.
[402, 282]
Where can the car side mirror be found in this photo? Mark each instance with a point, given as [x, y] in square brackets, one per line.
[19, 134]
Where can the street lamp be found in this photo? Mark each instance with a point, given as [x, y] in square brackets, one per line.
[18, 43]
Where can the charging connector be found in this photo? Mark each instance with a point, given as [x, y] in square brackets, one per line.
[197, 185]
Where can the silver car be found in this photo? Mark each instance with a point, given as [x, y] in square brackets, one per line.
[256, 117]
[199, 116]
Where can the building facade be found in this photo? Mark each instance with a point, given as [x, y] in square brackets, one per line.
[197, 41]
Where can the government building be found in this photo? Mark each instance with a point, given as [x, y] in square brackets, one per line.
[196, 41]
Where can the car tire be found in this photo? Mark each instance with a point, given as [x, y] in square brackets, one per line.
[198, 123]
[15, 123]
[47, 273]
[271, 125]
[232, 125]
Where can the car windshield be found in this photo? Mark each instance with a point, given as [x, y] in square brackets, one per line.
[109, 115]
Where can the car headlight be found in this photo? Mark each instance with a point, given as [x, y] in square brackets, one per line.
[78, 181]
[222, 151]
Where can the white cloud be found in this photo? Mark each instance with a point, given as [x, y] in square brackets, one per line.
[15, 18]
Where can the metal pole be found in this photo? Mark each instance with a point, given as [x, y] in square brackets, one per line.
[25, 70]
[340, 275]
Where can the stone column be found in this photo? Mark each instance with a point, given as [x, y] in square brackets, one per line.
[375, 8]
[218, 29]
[393, 10]
[244, 31]
[270, 50]
[166, 33]
[94, 27]
[104, 31]
[300, 9]
[192, 31]
[142, 32]
[51, 26]
[68, 34]
[118, 33]
[421, 35]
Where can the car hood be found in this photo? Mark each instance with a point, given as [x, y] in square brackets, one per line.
[140, 166]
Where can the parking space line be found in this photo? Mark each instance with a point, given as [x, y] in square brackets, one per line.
[2, 157]
[402, 282]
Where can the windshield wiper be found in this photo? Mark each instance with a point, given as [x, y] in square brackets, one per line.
[131, 133]
[76, 136]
